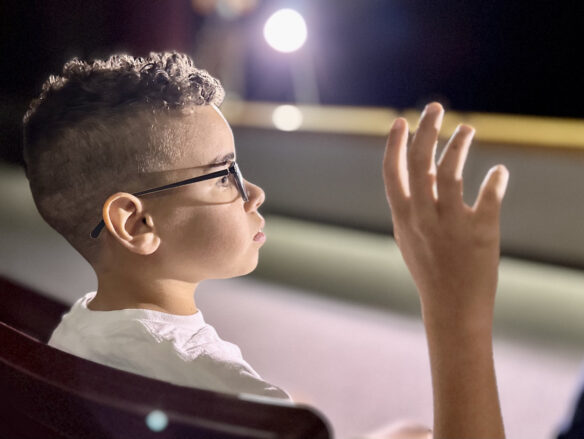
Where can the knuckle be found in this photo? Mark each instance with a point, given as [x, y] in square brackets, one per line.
[490, 196]
[455, 143]
[448, 188]
[425, 179]
[416, 157]
[446, 173]
[486, 235]
[449, 204]
[427, 128]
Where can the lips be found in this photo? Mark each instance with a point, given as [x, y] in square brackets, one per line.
[260, 236]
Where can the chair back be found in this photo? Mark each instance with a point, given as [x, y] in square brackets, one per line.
[29, 311]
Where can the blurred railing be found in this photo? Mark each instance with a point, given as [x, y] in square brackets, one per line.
[508, 129]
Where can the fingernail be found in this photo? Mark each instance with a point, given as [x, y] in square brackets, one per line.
[465, 129]
[398, 124]
[503, 169]
[433, 108]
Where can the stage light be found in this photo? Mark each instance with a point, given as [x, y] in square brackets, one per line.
[287, 117]
[285, 30]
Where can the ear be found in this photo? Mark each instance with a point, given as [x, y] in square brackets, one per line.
[129, 224]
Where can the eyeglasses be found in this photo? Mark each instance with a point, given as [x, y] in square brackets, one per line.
[233, 171]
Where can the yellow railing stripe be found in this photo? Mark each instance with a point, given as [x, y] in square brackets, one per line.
[490, 128]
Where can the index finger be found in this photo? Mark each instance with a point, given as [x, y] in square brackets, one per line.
[395, 169]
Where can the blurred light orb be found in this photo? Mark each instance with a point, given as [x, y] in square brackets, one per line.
[156, 420]
[285, 30]
[287, 117]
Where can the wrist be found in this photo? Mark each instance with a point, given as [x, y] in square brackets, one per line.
[463, 378]
[457, 324]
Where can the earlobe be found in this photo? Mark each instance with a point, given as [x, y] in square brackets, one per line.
[128, 223]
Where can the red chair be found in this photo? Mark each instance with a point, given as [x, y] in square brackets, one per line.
[46, 393]
[29, 311]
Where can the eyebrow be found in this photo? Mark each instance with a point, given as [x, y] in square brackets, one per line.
[220, 161]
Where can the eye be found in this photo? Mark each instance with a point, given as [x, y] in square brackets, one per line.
[223, 181]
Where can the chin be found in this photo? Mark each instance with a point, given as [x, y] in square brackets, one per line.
[250, 269]
[242, 271]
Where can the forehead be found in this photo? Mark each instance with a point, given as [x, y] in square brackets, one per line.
[203, 135]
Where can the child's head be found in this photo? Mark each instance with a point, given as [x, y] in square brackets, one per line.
[107, 129]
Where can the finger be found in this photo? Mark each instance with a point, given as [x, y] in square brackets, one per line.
[395, 172]
[488, 203]
[421, 167]
[451, 165]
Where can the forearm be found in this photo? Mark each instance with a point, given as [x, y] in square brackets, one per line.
[466, 403]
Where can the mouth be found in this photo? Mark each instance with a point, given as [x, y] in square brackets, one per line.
[260, 236]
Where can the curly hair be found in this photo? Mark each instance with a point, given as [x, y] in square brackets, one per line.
[100, 123]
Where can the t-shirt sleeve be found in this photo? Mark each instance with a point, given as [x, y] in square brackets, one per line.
[238, 377]
[211, 369]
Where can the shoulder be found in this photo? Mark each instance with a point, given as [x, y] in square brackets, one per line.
[233, 374]
[91, 334]
[204, 360]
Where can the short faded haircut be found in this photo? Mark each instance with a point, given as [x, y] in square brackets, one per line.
[98, 125]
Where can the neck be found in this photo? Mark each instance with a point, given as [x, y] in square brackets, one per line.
[118, 291]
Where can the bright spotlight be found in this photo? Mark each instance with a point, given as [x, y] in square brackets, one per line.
[285, 30]
[287, 118]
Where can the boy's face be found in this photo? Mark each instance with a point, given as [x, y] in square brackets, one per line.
[206, 229]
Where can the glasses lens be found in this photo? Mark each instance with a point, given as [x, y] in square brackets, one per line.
[239, 182]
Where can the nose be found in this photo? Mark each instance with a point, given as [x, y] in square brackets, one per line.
[256, 196]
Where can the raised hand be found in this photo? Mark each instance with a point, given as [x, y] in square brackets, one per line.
[450, 248]
[452, 252]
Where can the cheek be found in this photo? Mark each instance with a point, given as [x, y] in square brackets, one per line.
[215, 237]
[214, 240]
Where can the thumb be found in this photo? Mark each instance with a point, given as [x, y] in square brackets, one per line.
[491, 193]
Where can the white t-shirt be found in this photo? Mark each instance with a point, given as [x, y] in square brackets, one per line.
[182, 350]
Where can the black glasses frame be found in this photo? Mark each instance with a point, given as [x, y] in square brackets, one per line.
[232, 170]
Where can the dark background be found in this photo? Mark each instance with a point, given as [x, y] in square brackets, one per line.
[497, 56]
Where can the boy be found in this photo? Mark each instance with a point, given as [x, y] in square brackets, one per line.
[132, 162]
